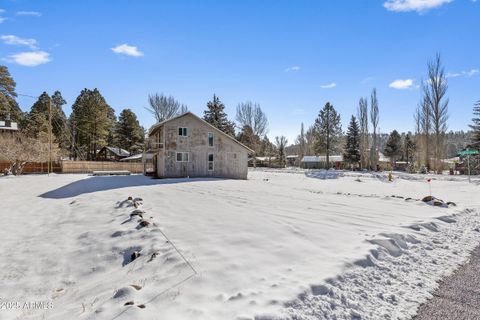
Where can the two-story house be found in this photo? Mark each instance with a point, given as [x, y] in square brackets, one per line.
[188, 146]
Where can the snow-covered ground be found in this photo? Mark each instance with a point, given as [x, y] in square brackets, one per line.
[285, 244]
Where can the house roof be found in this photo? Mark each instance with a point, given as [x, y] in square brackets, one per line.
[322, 158]
[118, 151]
[263, 158]
[138, 157]
[160, 124]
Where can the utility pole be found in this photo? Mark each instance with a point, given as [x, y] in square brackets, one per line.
[49, 136]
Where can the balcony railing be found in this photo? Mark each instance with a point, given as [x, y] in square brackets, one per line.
[153, 145]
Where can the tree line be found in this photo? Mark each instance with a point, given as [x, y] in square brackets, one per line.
[361, 144]
[91, 125]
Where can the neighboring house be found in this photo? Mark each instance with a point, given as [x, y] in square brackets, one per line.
[112, 154]
[320, 162]
[384, 162]
[145, 158]
[292, 160]
[262, 162]
[8, 126]
[188, 146]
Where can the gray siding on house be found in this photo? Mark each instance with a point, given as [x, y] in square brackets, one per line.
[230, 157]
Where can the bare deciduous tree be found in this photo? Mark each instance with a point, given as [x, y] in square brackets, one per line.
[374, 117]
[363, 119]
[250, 115]
[425, 125]
[417, 116]
[435, 90]
[302, 144]
[19, 149]
[163, 107]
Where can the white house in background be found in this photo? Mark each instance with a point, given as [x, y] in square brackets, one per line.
[8, 125]
[188, 146]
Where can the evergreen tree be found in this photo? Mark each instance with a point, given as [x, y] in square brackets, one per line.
[91, 119]
[281, 143]
[8, 105]
[328, 129]
[393, 148]
[476, 123]
[129, 134]
[36, 123]
[216, 116]
[111, 139]
[267, 148]
[352, 146]
[248, 137]
[59, 121]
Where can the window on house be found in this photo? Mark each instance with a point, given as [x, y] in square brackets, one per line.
[210, 139]
[182, 156]
[182, 132]
[210, 161]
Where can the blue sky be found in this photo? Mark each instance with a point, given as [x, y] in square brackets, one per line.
[289, 56]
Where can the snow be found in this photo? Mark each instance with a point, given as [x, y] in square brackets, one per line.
[285, 244]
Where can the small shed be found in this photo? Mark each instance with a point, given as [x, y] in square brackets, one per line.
[292, 160]
[262, 161]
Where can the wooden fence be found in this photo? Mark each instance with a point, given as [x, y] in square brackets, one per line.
[70, 166]
[34, 167]
[90, 166]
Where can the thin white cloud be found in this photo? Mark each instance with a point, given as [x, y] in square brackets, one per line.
[2, 10]
[2, 19]
[14, 40]
[465, 73]
[328, 86]
[127, 50]
[293, 69]
[402, 84]
[29, 13]
[29, 59]
[419, 6]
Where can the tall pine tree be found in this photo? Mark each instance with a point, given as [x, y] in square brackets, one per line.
[476, 123]
[216, 116]
[129, 134]
[8, 105]
[352, 146]
[327, 129]
[91, 121]
[393, 148]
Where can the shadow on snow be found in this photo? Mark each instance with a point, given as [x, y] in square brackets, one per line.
[102, 183]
